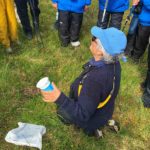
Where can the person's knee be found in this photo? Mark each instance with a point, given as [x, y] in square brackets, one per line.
[116, 19]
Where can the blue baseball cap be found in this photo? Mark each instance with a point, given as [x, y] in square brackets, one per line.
[113, 40]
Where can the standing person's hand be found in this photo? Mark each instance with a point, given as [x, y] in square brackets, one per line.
[86, 8]
[51, 96]
[54, 5]
[135, 2]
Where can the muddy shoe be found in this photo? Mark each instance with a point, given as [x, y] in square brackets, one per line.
[114, 126]
[98, 134]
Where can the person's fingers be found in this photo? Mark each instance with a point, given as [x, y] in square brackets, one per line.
[54, 86]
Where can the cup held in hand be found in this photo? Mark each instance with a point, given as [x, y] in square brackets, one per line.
[44, 84]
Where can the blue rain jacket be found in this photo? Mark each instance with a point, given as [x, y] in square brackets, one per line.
[76, 6]
[114, 5]
[144, 17]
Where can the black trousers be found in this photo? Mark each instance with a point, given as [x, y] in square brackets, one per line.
[142, 40]
[22, 9]
[131, 36]
[69, 26]
[112, 19]
[147, 80]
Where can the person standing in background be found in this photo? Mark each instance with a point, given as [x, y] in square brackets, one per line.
[131, 36]
[70, 16]
[142, 42]
[22, 9]
[8, 24]
[114, 12]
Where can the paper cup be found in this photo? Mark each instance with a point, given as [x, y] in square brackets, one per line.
[44, 84]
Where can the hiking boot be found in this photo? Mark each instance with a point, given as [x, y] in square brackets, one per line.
[9, 50]
[113, 126]
[98, 134]
[75, 44]
[146, 100]
[29, 35]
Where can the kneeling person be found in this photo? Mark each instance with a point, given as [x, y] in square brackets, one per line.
[92, 96]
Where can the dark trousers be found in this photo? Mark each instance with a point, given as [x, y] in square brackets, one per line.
[147, 80]
[142, 40]
[131, 37]
[22, 9]
[69, 26]
[148, 72]
[112, 19]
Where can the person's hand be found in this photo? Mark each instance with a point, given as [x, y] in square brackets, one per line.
[51, 96]
[54, 5]
[86, 8]
[135, 2]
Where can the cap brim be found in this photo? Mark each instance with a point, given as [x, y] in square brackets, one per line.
[96, 31]
[99, 34]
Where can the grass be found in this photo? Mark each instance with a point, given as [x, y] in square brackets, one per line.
[20, 72]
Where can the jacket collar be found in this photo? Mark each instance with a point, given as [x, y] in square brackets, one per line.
[94, 63]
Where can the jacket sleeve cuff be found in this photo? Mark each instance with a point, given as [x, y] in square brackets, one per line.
[61, 99]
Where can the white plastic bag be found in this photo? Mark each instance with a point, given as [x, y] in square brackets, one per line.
[26, 134]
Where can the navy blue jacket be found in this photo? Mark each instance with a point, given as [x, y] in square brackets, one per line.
[144, 17]
[82, 110]
[114, 5]
[76, 6]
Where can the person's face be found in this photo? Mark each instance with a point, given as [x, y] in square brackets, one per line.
[95, 49]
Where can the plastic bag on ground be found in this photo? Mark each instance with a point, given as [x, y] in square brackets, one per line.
[26, 134]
